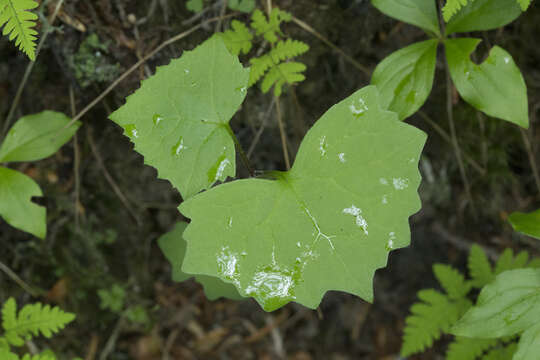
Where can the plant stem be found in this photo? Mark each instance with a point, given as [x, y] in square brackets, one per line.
[19, 281]
[532, 159]
[282, 134]
[240, 150]
[28, 71]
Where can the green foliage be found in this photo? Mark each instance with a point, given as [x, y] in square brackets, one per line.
[31, 320]
[187, 137]
[341, 235]
[112, 299]
[18, 23]
[422, 13]
[528, 224]
[269, 67]
[438, 313]
[505, 97]
[529, 344]
[507, 352]
[452, 7]
[173, 246]
[405, 78]
[33, 137]
[246, 6]
[481, 15]
[194, 5]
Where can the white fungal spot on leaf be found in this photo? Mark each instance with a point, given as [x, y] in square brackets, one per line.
[227, 263]
[341, 157]
[357, 213]
[180, 147]
[383, 181]
[360, 108]
[385, 199]
[391, 238]
[221, 168]
[400, 184]
[323, 146]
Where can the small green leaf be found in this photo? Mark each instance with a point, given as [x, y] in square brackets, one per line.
[406, 76]
[246, 6]
[501, 352]
[495, 87]
[173, 246]
[479, 267]
[238, 38]
[113, 298]
[327, 224]
[452, 281]
[5, 354]
[16, 206]
[524, 4]
[194, 5]
[179, 118]
[528, 224]
[529, 344]
[507, 306]
[463, 348]
[422, 13]
[480, 15]
[35, 137]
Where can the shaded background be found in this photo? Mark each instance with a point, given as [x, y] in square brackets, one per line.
[109, 236]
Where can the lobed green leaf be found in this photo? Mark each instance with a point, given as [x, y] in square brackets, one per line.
[528, 224]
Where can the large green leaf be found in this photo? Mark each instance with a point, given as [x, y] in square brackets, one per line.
[16, 207]
[529, 344]
[36, 137]
[173, 246]
[327, 224]
[405, 77]
[528, 224]
[179, 118]
[480, 15]
[507, 306]
[495, 87]
[422, 13]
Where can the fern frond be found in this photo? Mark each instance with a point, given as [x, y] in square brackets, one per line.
[468, 348]
[502, 353]
[507, 261]
[524, 4]
[452, 7]
[269, 28]
[452, 281]
[33, 319]
[429, 319]
[259, 66]
[4, 345]
[9, 314]
[288, 49]
[42, 356]
[284, 73]
[479, 267]
[238, 38]
[18, 23]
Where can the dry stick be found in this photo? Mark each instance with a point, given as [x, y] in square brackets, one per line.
[261, 129]
[76, 161]
[457, 150]
[221, 14]
[282, 134]
[315, 33]
[19, 281]
[29, 70]
[110, 179]
[448, 139]
[532, 158]
[139, 63]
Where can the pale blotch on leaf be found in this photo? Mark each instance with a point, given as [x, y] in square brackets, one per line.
[400, 184]
[357, 213]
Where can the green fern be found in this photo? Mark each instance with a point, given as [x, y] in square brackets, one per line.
[18, 23]
[7, 355]
[284, 73]
[430, 319]
[238, 40]
[437, 312]
[468, 348]
[452, 281]
[479, 267]
[31, 320]
[524, 4]
[269, 28]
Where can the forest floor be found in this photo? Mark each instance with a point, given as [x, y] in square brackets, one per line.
[109, 235]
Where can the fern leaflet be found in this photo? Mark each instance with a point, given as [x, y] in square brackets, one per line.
[468, 348]
[238, 40]
[507, 261]
[452, 7]
[269, 28]
[18, 23]
[284, 73]
[524, 4]
[32, 319]
[429, 319]
[479, 267]
[452, 281]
